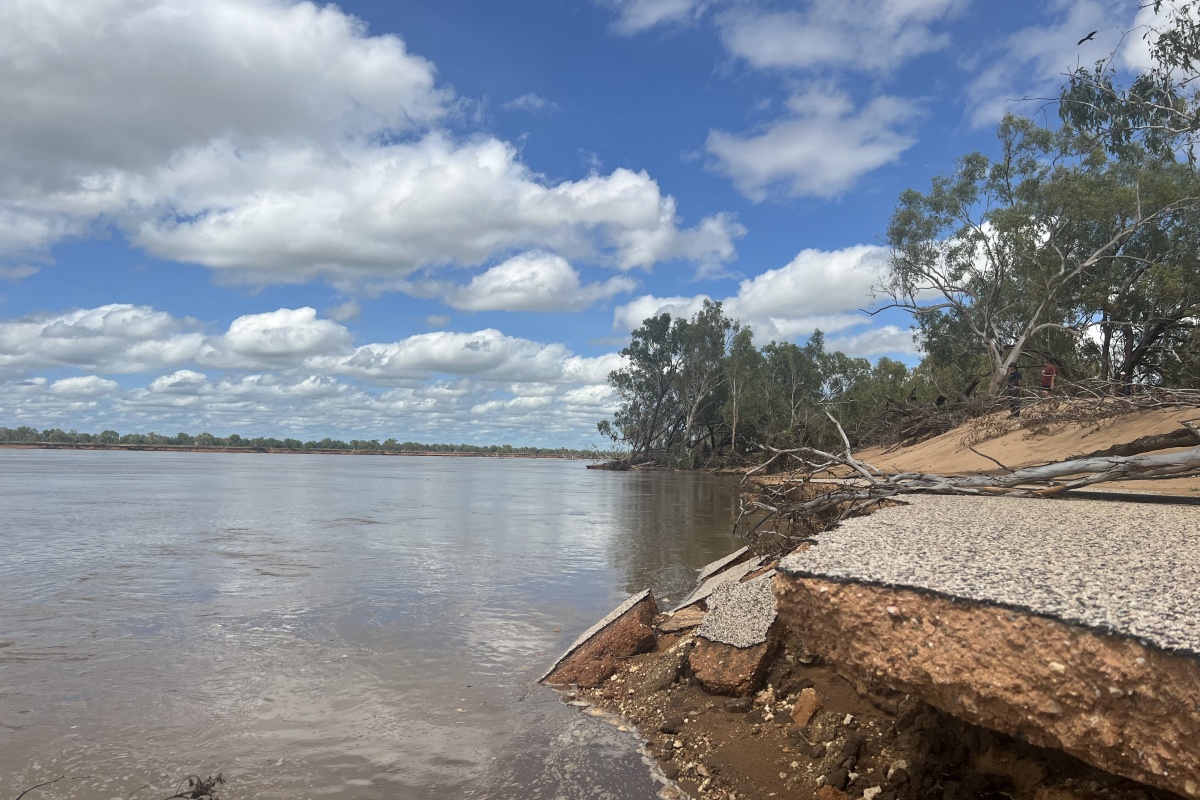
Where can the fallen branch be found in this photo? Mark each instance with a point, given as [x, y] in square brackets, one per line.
[788, 519]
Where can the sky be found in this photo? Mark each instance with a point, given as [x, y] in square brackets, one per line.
[441, 221]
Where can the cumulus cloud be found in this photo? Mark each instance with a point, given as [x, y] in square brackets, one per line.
[818, 289]
[292, 213]
[135, 81]
[487, 354]
[285, 336]
[288, 372]
[866, 35]
[885, 340]
[280, 142]
[84, 386]
[116, 338]
[534, 281]
[820, 149]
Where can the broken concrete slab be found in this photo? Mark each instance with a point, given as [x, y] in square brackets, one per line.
[735, 642]
[681, 620]
[740, 614]
[736, 557]
[1070, 624]
[599, 651]
[730, 574]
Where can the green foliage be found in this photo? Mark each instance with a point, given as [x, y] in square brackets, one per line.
[699, 392]
[205, 440]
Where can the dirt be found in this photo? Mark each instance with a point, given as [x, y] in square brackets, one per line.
[864, 741]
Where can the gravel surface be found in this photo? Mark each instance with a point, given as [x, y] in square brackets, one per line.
[613, 616]
[1127, 568]
[740, 614]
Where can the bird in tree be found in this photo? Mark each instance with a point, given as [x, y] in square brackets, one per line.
[1087, 38]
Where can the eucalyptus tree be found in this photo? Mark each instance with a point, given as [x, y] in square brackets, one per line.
[672, 387]
[1159, 108]
[744, 394]
[997, 251]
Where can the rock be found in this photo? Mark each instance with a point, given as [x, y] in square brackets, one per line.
[729, 670]
[672, 725]
[661, 673]
[838, 778]
[808, 704]
[670, 771]
[738, 705]
[830, 793]
[681, 620]
[600, 651]
[872, 793]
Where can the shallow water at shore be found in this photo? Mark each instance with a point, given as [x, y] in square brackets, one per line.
[319, 626]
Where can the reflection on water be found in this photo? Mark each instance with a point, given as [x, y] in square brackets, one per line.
[318, 625]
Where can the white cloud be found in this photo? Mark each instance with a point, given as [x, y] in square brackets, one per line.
[135, 81]
[437, 320]
[533, 281]
[885, 340]
[866, 35]
[818, 289]
[635, 16]
[184, 382]
[814, 282]
[531, 102]
[821, 149]
[485, 354]
[631, 315]
[112, 338]
[283, 337]
[294, 213]
[279, 142]
[84, 386]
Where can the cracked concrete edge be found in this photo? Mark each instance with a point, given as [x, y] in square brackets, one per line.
[714, 567]
[612, 617]
[1028, 611]
[1113, 568]
[1116, 703]
[728, 575]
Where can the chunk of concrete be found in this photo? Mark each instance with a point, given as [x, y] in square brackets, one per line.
[681, 620]
[731, 574]
[735, 643]
[736, 557]
[600, 650]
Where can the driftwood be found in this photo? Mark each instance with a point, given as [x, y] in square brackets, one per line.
[191, 788]
[826, 487]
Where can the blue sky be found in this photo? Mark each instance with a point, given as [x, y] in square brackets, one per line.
[440, 221]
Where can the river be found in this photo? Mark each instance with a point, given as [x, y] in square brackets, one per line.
[323, 626]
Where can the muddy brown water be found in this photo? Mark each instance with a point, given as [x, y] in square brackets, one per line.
[320, 626]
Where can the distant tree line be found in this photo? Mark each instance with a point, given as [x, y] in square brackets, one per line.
[1078, 245]
[29, 435]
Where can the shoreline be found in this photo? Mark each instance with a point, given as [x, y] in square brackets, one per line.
[175, 448]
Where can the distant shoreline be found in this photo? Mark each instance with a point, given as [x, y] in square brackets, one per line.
[177, 448]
